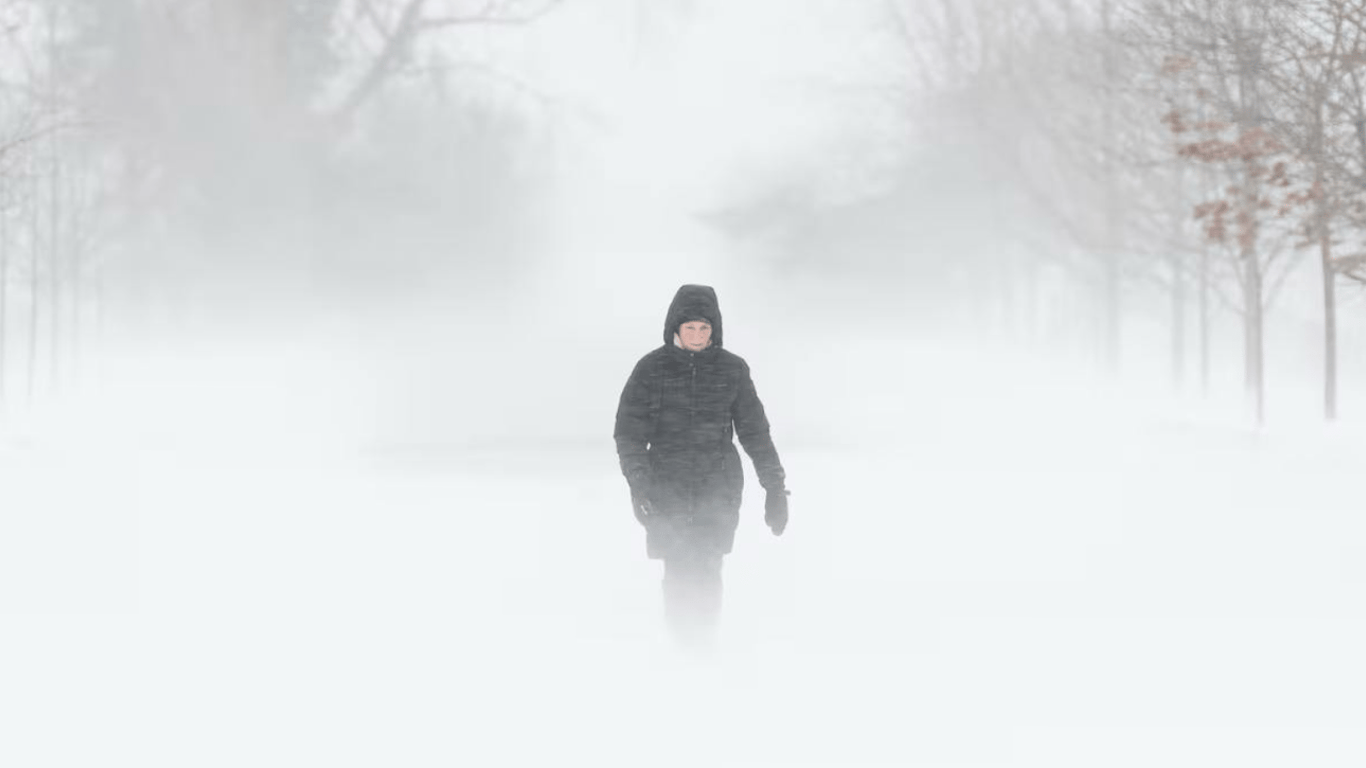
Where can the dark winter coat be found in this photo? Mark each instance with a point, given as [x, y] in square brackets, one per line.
[675, 422]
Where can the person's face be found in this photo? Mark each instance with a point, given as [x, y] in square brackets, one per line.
[695, 335]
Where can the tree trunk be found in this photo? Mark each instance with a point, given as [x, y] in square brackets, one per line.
[1330, 326]
[1330, 321]
[35, 261]
[1113, 276]
[54, 214]
[4, 294]
[1254, 379]
[55, 270]
[1178, 340]
[1178, 293]
[1253, 369]
[97, 299]
[1112, 307]
[75, 296]
[1204, 289]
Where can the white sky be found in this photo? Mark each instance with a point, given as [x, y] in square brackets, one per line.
[686, 95]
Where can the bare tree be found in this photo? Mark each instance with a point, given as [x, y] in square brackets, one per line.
[1254, 96]
[54, 202]
[382, 37]
[1226, 49]
[23, 126]
[1347, 108]
[1319, 46]
[1069, 118]
[1006, 78]
[139, 135]
[5, 212]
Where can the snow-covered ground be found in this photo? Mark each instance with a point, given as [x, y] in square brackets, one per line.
[1035, 575]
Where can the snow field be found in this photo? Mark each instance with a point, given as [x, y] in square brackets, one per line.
[1050, 577]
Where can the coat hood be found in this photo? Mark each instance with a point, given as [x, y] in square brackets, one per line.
[693, 302]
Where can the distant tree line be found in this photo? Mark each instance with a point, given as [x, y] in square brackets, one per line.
[1200, 146]
[158, 150]
[1203, 149]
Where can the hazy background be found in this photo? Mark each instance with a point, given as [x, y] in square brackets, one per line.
[330, 211]
[314, 316]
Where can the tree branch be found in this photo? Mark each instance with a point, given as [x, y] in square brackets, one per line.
[493, 13]
[396, 45]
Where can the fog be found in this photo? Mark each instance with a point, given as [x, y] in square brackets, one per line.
[307, 385]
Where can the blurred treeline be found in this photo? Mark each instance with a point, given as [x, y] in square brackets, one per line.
[1078, 162]
[1041, 162]
[164, 160]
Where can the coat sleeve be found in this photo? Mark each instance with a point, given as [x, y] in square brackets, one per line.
[751, 426]
[632, 432]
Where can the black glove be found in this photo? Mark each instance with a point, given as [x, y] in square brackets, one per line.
[775, 511]
[640, 498]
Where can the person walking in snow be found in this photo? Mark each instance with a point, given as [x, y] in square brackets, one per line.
[678, 412]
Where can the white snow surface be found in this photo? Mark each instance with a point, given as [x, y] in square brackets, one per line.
[1048, 573]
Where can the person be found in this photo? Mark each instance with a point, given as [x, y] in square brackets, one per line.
[678, 412]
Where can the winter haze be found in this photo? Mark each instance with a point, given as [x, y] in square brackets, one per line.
[314, 317]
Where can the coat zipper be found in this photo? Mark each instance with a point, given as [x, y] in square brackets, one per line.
[692, 393]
